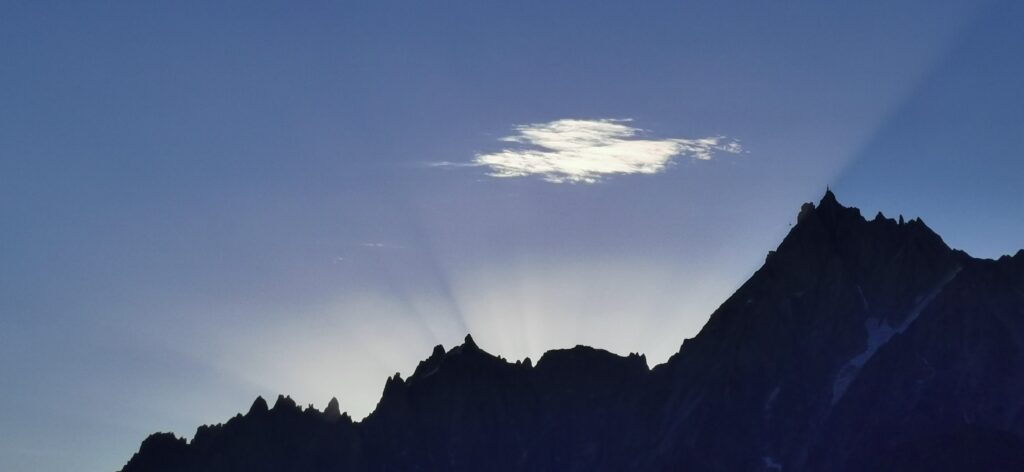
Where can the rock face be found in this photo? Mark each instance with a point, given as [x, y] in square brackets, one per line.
[859, 345]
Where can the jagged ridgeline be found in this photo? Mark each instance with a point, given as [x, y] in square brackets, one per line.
[860, 345]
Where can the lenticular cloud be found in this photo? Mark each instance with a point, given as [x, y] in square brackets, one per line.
[588, 150]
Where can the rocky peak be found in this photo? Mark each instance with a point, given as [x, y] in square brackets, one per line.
[429, 365]
[832, 230]
[285, 403]
[333, 410]
[159, 452]
[829, 200]
[470, 345]
[584, 357]
[258, 407]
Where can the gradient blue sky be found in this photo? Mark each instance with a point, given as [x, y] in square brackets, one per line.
[201, 203]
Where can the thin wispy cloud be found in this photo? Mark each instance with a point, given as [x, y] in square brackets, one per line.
[585, 151]
[382, 245]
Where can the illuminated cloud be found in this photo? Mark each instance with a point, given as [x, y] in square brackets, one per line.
[588, 150]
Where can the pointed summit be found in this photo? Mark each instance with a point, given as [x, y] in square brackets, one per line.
[430, 364]
[393, 386]
[469, 350]
[829, 200]
[333, 410]
[395, 379]
[828, 210]
[258, 406]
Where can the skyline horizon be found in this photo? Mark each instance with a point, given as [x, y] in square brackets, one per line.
[467, 338]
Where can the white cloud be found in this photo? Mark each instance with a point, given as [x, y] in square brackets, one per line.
[588, 150]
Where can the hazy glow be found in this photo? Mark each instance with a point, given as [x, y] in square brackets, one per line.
[345, 348]
[588, 150]
[349, 346]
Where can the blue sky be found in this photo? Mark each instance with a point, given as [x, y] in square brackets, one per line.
[203, 203]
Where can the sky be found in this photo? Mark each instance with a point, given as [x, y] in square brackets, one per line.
[202, 202]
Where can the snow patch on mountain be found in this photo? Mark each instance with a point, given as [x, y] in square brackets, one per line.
[880, 332]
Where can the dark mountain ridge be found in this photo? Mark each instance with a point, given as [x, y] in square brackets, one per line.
[858, 345]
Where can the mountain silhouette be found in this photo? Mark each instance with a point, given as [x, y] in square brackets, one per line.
[859, 345]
